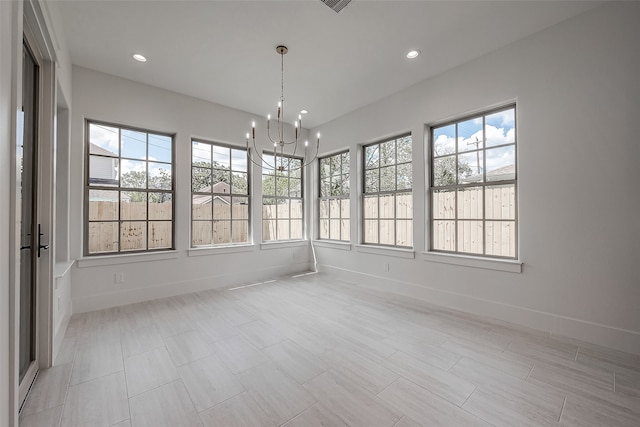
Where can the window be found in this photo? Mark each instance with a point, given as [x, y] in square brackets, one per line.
[388, 202]
[334, 197]
[129, 189]
[219, 194]
[282, 200]
[473, 185]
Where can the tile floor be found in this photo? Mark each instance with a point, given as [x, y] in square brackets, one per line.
[313, 351]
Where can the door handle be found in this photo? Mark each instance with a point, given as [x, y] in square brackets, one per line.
[40, 245]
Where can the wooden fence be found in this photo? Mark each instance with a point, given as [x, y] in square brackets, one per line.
[493, 236]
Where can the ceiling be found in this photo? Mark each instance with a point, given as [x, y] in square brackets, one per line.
[224, 51]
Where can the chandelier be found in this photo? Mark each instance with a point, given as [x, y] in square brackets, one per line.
[280, 160]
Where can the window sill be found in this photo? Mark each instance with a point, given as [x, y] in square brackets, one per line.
[511, 266]
[388, 251]
[333, 244]
[99, 261]
[284, 244]
[219, 250]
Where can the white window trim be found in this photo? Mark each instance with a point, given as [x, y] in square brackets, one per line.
[508, 265]
[98, 260]
[221, 249]
[397, 252]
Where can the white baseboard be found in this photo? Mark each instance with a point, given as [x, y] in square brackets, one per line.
[164, 290]
[583, 330]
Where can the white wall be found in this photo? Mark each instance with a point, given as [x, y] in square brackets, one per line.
[107, 98]
[577, 93]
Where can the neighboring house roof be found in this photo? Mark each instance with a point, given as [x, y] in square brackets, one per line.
[216, 189]
[503, 173]
[96, 149]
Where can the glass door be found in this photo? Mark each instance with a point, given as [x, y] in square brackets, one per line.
[29, 229]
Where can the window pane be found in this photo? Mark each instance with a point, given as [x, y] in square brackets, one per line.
[387, 232]
[221, 157]
[388, 178]
[404, 232]
[133, 205]
[239, 231]
[134, 144]
[268, 208]
[221, 180]
[404, 177]
[201, 154]
[104, 140]
[268, 185]
[160, 206]
[336, 185]
[324, 228]
[444, 171]
[334, 229]
[296, 208]
[371, 207]
[501, 238]
[404, 205]
[501, 163]
[239, 183]
[500, 202]
[295, 167]
[325, 187]
[133, 236]
[334, 208]
[103, 171]
[470, 203]
[295, 186]
[202, 208]
[387, 206]
[221, 232]
[160, 148]
[388, 153]
[345, 230]
[444, 235]
[470, 135]
[324, 209]
[103, 205]
[500, 128]
[103, 237]
[443, 204]
[370, 231]
[404, 149]
[160, 176]
[240, 208]
[345, 185]
[345, 162]
[371, 156]
[201, 233]
[470, 237]
[444, 140]
[221, 209]
[134, 174]
[336, 166]
[325, 168]
[345, 208]
[160, 235]
[470, 167]
[283, 229]
[201, 180]
[239, 160]
[282, 186]
[296, 229]
[269, 230]
[371, 184]
[283, 208]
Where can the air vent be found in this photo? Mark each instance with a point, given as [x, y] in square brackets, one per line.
[336, 5]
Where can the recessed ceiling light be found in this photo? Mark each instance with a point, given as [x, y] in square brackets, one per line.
[412, 54]
[139, 58]
[303, 111]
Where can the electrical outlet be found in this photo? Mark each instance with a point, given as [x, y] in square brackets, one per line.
[118, 277]
[386, 266]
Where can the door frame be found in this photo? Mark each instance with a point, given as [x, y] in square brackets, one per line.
[32, 25]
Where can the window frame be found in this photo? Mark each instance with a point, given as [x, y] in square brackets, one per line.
[380, 194]
[213, 194]
[432, 188]
[272, 172]
[120, 188]
[340, 197]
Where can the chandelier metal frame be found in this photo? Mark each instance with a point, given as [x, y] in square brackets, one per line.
[279, 140]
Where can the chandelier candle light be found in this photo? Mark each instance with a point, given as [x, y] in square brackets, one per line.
[278, 141]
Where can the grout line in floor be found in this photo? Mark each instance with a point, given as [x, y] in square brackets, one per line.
[564, 402]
